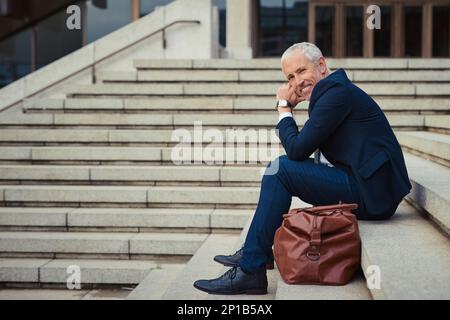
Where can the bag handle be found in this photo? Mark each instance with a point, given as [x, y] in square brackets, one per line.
[334, 207]
[315, 242]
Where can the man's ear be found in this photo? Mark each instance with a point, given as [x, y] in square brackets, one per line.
[322, 65]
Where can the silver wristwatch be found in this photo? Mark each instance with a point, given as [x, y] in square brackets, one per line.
[282, 103]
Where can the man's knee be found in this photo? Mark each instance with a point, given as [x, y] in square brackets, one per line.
[275, 165]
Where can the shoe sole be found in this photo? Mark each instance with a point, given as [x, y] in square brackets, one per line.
[269, 266]
[249, 292]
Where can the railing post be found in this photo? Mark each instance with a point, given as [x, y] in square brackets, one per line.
[164, 43]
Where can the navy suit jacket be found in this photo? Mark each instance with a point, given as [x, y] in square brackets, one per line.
[352, 132]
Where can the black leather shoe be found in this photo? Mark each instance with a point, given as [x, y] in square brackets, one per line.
[234, 259]
[235, 281]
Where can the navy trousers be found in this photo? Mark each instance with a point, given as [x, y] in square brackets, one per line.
[316, 184]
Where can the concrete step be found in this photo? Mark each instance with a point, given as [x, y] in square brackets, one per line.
[432, 89]
[209, 104]
[96, 155]
[400, 76]
[408, 255]
[122, 219]
[421, 63]
[274, 63]
[428, 145]
[150, 175]
[98, 244]
[83, 154]
[45, 272]
[156, 283]
[193, 134]
[141, 196]
[92, 131]
[176, 76]
[356, 289]
[156, 136]
[227, 120]
[241, 89]
[175, 121]
[62, 135]
[441, 122]
[64, 294]
[193, 75]
[430, 189]
[200, 266]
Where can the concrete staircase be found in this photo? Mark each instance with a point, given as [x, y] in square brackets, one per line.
[88, 180]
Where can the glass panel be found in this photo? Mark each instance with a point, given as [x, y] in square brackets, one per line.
[297, 22]
[354, 31]
[382, 37]
[222, 7]
[271, 22]
[413, 31]
[282, 23]
[15, 57]
[148, 6]
[105, 16]
[54, 40]
[324, 29]
[441, 31]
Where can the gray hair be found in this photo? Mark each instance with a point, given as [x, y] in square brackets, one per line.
[310, 50]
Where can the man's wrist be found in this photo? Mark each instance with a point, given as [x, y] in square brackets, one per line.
[282, 103]
[284, 109]
[283, 115]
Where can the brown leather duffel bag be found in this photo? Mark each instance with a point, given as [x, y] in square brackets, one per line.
[318, 245]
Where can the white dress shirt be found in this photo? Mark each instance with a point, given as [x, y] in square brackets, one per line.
[284, 115]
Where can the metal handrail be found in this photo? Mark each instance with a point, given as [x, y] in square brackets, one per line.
[164, 43]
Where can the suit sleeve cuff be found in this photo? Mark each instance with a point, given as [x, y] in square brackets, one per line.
[284, 115]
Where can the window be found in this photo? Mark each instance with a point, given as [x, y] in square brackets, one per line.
[324, 29]
[413, 31]
[15, 57]
[54, 40]
[382, 37]
[148, 6]
[282, 23]
[354, 31]
[105, 16]
[222, 7]
[441, 31]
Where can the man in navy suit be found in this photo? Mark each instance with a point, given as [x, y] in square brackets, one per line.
[353, 134]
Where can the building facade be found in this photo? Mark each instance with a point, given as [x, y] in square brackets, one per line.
[407, 28]
[33, 32]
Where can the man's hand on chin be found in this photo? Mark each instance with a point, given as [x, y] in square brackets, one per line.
[287, 92]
